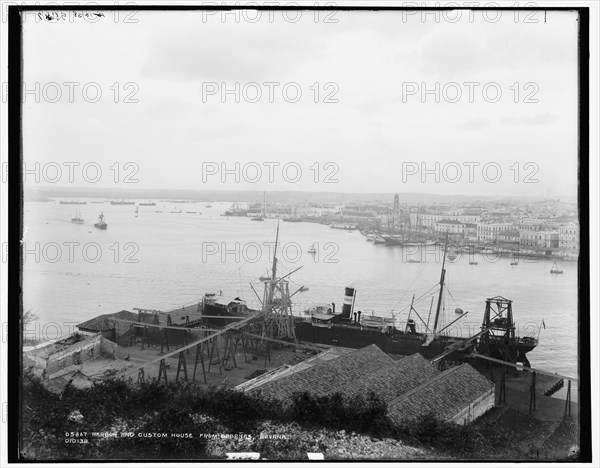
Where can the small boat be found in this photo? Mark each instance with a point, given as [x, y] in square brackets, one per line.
[77, 219]
[555, 270]
[208, 206]
[412, 260]
[101, 224]
[122, 202]
[147, 204]
[192, 212]
[451, 256]
[72, 202]
[458, 310]
[312, 249]
[378, 240]
[514, 263]
[473, 263]
[257, 218]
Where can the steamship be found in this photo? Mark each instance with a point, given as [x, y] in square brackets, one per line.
[326, 325]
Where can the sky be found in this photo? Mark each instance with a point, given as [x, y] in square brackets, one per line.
[364, 121]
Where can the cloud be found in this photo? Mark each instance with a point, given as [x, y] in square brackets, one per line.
[476, 124]
[540, 119]
[223, 53]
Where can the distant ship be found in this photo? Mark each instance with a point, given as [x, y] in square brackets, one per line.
[72, 202]
[147, 204]
[555, 270]
[346, 227]
[101, 224]
[77, 219]
[122, 202]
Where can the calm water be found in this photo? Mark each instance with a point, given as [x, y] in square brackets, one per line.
[182, 256]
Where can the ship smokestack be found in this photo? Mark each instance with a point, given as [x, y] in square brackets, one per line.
[348, 303]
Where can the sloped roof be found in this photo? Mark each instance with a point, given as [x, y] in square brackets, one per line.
[445, 395]
[102, 322]
[390, 381]
[326, 377]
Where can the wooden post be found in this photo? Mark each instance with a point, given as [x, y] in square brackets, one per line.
[181, 365]
[165, 341]
[532, 393]
[244, 339]
[503, 385]
[199, 353]
[212, 350]
[162, 370]
[568, 400]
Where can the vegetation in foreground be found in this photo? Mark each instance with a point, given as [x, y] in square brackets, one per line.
[54, 425]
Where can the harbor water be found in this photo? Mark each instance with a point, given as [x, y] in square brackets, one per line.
[171, 254]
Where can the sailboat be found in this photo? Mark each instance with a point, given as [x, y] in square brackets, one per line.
[77, 219]
[312, 249]
[101, 224]
[555, 270]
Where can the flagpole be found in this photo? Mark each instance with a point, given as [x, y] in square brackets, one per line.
[540, 330]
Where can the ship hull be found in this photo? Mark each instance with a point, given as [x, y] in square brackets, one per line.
[397, 343]
[353, 337]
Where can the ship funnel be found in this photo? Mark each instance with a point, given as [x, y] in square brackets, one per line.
[348, 306]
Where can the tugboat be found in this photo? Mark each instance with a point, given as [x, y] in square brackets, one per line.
[101, 224]
[77, 219]
[555, 270]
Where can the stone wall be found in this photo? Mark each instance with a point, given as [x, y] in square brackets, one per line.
[76, 354]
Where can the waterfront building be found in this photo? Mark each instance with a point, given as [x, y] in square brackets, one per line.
[488, 232]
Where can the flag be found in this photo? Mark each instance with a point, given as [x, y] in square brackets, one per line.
[543, 324]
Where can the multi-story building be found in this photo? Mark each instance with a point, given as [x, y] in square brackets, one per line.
[488, 232]
[451, 226]
[428, 221]
[568, 240]
[535, 240]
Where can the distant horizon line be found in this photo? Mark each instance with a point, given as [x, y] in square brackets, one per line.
[260, 191]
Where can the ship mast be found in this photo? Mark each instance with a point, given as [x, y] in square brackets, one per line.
[442, 277]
